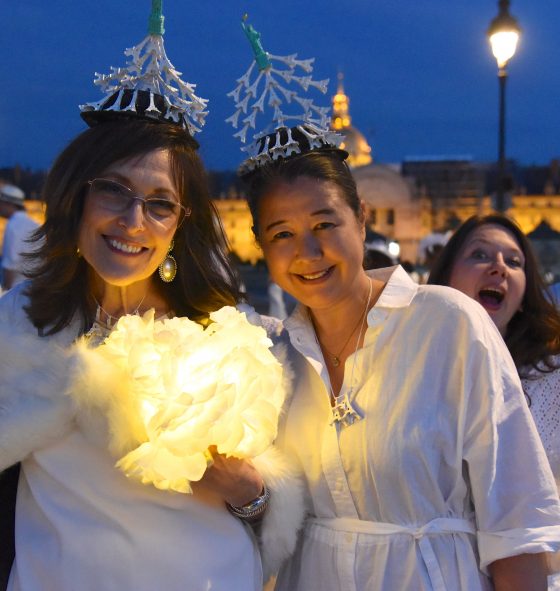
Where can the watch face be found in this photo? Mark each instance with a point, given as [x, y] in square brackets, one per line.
[252, 509]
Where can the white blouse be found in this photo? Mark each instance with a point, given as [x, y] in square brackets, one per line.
[81, 525]
[543, 390]
[444, 474]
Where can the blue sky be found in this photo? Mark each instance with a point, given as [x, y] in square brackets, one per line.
[420, 75]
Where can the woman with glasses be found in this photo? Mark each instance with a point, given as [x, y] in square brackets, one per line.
[130, 228]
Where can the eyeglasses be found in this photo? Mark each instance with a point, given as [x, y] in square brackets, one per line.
[117, 198]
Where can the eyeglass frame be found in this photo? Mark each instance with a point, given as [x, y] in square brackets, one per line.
[133, 197]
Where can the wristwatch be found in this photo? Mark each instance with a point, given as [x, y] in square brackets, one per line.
[252, 509]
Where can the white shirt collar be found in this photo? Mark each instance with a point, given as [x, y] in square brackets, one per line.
[398, 292]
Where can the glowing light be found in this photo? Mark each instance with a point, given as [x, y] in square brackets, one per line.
[504, 44]
[188, 388]
[394, 249]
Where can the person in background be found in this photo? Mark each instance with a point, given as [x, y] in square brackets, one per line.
[377, 259]
[18, 230]
[376, 251]
[423, 466]
[429, 249]
[276, 303]
[490, 259]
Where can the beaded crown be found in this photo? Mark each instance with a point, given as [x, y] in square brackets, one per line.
[148, 86]
[266, 84]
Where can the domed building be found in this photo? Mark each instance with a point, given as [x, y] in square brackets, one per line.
[354, 143]
[392, 207]
[393, 210]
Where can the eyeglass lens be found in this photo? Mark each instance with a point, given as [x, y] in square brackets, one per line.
[114, 196]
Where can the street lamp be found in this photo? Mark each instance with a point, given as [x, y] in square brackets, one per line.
[503, 34]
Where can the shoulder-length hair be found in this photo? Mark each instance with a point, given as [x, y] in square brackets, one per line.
[533, 334]
[59, 290]
[326, 165]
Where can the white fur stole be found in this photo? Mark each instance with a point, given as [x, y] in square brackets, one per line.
[35, 410]
[45, 389]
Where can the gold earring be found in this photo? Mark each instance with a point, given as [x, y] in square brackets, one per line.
[168, 267]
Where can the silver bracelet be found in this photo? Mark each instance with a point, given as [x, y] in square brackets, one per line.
[252, 509]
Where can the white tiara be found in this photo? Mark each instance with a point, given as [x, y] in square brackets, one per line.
[148, 86]
[297, 124]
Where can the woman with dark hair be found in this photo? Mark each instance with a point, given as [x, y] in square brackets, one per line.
[117, 198]
[132, 241]
[400, 457]
[490, 259]
[515, 296]
[423, 468]
[61, 286]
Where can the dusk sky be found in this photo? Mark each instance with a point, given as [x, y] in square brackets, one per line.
[419, 73]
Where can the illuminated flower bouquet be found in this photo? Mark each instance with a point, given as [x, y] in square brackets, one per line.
[183, 388]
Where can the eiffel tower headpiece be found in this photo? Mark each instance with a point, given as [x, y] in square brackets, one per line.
[148, 86]
[298, 125]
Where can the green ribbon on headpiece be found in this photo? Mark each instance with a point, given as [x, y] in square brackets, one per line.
[254, 37]
[155, 23]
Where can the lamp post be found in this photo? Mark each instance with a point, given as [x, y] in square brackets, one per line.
[503, 34]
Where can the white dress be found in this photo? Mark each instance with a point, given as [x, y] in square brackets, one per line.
[543, 390]
[444, 474]
[81, 525]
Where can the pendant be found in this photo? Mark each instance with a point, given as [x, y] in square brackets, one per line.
[96, 335]
[343, 412]
[336, 361]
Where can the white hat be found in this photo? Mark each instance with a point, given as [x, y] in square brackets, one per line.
[265, 86]
[12, 194]
[148, 87]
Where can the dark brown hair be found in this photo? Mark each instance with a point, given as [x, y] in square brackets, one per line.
[533, 334]
[324, 165]
[59, 290]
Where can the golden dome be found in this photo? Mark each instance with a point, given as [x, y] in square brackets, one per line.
[354, 143]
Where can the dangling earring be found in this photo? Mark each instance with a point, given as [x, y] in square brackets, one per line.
[168, 267]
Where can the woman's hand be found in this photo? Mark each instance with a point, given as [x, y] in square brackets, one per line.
[524, 572]
[237, 481]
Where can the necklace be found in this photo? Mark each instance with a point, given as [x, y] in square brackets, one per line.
[111, 320]
[336, 358]
[343, 413]
[100, 329]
